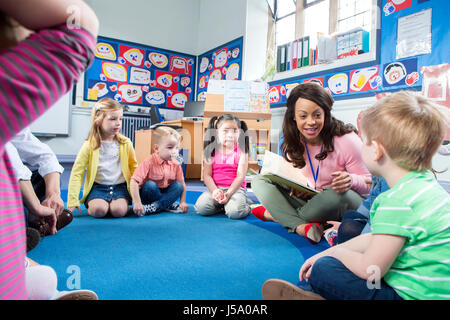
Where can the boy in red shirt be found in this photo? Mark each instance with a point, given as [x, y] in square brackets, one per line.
[158, 181]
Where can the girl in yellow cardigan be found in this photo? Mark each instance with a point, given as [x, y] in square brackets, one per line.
[110, 161]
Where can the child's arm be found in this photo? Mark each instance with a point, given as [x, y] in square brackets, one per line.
[376, 260]
[216, 193]
[41, 14]
[76, 177]
[240, 176]
[138, 208]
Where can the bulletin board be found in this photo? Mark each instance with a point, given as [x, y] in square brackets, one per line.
[387, 73]
[221, 63]
[137, 74]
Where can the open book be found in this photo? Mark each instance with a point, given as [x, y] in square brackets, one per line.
[277, 169]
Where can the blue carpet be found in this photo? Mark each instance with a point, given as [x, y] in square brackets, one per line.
[171, 256]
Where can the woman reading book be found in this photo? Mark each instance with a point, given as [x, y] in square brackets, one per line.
[328, 152]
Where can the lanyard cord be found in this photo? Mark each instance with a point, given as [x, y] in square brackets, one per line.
[316, 175]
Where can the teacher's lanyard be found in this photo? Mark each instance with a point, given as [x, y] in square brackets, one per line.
[315, 175]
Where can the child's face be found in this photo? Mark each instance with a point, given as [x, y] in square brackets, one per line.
[369, 153]
[228, 134]
[168, 148]
[310, 119]
[111, 124]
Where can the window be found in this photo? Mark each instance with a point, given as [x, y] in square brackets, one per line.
[316, 19]
[354, 13]
[283, 13]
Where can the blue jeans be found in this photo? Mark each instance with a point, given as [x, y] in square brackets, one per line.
[333, 281]
[162, 198]
[352, 224]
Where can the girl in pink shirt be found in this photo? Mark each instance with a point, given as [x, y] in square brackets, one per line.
[328, 152]
[224, 168]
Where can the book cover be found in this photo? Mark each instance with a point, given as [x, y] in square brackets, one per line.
[277, 169]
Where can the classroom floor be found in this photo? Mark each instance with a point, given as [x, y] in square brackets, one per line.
[171, 256]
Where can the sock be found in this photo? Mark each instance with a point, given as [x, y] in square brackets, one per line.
[258, 210]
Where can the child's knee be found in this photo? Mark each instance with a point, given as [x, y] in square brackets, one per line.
[119, 209]
[177, 187]
[97, 211]
[237, 210]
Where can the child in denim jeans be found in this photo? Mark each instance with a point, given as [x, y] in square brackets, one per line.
[158, 181]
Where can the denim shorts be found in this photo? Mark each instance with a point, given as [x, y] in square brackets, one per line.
[108, 192]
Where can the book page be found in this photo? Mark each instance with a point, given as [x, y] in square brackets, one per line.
[276, 164]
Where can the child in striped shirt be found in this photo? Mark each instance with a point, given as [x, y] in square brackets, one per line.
[406, 255]
[35, 71]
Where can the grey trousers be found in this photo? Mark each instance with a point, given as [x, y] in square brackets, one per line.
[237, 206]
[292, 211]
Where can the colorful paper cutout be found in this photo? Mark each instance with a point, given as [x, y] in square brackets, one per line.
[130, 93]
[180, 65]
[114, 71]
[155, 97]
[338, 83]
[364, 79]
[105, 50]
[177, 100]
[158, 59]
[396, 5]
[133, 56]
[139, 76]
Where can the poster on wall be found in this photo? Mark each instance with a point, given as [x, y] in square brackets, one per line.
[221, 63]
[401, 73]
[414, 34]
[141, 75]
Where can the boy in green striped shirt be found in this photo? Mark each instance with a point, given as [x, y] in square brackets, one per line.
[407, 255]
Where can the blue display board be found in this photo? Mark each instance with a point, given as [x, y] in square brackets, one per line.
[221, 63]
[141, 75]
[386, 73]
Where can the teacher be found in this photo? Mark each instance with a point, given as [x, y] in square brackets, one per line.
[328, 152]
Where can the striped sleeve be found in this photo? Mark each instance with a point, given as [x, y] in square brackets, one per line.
[39, 70]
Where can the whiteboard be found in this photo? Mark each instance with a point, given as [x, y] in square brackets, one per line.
[56, 120]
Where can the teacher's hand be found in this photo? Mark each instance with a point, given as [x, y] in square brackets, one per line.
[342, 181]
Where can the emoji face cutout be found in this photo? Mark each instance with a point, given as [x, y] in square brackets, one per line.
[165, 80]
[216, 75]
[105, 51]
[155, 97]
[114, 71]
[134, 56]
[204, 64]
[179, 65]
[221, 59]
[158, 59]
[232, 72]
[274, 95]
[178, 100]
[139, 76]
[394, 72]
[130, 93]
[338, 83]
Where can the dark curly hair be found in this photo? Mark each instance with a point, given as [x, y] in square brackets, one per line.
[292, 146]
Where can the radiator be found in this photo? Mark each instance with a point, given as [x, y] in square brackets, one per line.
[132, 123]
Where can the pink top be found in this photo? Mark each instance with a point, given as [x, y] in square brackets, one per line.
[33, 75]
[345, 157]
[225, 166]
[164, 173]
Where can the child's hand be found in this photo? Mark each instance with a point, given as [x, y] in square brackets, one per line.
[217, 194]
[184, 207]
[225, 198]
[335, 225]
[138, 209]
[73, 208]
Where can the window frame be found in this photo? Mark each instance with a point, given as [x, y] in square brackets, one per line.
[361, 60]
[307, 5]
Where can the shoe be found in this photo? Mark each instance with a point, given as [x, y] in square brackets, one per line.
[175, 208]
[275, 289]
[150, 208]
[63, 219]
[313, 232]
[259, 212]
[33, 238]
[331, 235]
[76, 295]
[42, 224]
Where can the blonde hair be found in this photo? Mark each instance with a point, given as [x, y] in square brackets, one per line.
[161, 132]
[99, 111]
[409, 127]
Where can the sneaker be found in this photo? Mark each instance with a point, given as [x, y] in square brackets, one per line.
[75, 295]
[331, 235]
[275, 289]
[33, 238]
[150, 208]
[175, 208]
